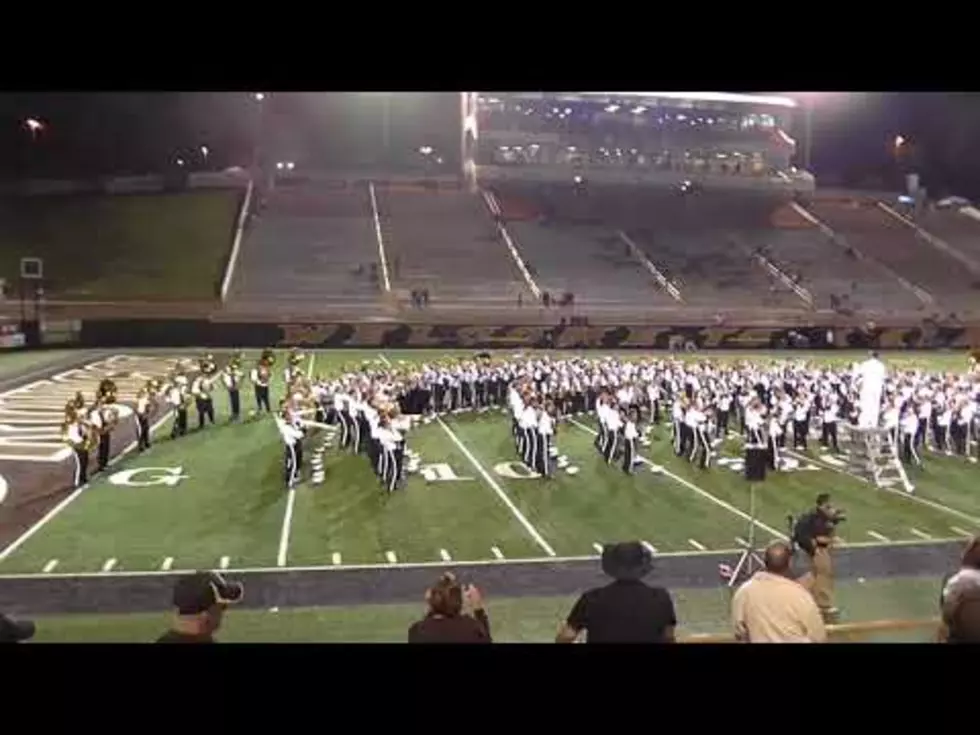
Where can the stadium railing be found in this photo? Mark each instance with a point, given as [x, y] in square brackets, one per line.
[848, 632]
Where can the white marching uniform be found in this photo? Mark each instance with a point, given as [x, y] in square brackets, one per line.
[546, 432]
[630, 435]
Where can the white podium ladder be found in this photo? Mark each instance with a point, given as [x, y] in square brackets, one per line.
[874, 455]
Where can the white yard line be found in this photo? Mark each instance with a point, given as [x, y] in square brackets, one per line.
[390, 556]
[897, 493]
[50, 566]
[309, 368]
[287, 525]
[532, 531]
[700, 491]
[224, 562]
[337, 560]
[384, 359]
[697, 545]
[109, 565]
[498, 561]
[377, 233]
[880, 537]
[24, 537]
[168, 564]
[444, 555]
[921, 534]
[961, 532]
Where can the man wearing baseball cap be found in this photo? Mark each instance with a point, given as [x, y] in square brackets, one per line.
[15, 631]
[201, 599]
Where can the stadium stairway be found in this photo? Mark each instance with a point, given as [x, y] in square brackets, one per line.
[798, 247]
[958, 230]
[705, 246]
[894, 244]
[307, 246]
[445, 241]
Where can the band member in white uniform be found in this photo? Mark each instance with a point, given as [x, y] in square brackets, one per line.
[871, 376]
[145, 405]
[614, 426]
[546, 431]
[630, 435]
[529, 425]
[291, 430]
[78, 435]
[828, 428]
[677, 412]
[261, 375]
[909, 425]
[696, 421]
[232, 377]
[801, 423]
[775, 432]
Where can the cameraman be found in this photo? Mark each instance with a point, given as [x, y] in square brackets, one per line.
[814, 533]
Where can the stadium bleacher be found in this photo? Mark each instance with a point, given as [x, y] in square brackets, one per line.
[895, 244]
[958, 230]
[308, 244]
[826, 270]
[445, 241]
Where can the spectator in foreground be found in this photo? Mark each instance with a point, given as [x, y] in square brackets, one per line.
[15, 631]
[960, 582]
[627, 610]
[201, 599]
[962, 617]
[772, 607]
[445, 621]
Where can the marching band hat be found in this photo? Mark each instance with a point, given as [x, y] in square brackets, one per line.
[199, 592]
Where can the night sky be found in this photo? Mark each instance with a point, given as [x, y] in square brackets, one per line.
[92, 134]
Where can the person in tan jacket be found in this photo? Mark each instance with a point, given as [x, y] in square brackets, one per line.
[771, 607]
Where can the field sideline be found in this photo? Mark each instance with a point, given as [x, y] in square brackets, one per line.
[225, 505]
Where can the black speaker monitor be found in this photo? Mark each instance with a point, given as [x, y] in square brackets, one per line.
[756, 464]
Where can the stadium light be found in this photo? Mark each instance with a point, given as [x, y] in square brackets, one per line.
[259, 96]
[899, 141]
[426, 150]
[34, 125]
[180, 161]
[204, 151]
[290, 165]
[280, 165]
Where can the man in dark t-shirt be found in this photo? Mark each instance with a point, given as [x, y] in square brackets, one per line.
[627, 610]
[201, 599]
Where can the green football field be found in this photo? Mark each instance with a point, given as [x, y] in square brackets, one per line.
[216, 498]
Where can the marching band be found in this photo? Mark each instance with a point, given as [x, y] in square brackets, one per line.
[372, 408]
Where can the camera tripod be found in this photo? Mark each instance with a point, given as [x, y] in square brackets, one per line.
[750, 561]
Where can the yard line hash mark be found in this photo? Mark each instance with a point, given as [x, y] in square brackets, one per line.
[697, 545]
[960, 531]
[880, 537]
[445, 555]
[109, 565]
[336, 560]
[920, 534]
[50, 566]
[598, 548]
[649, 547]
[700, 491]
[168, 564]
[224, 562]
[495, 486]
[26, 536]
[498, 554]
[390, 556]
